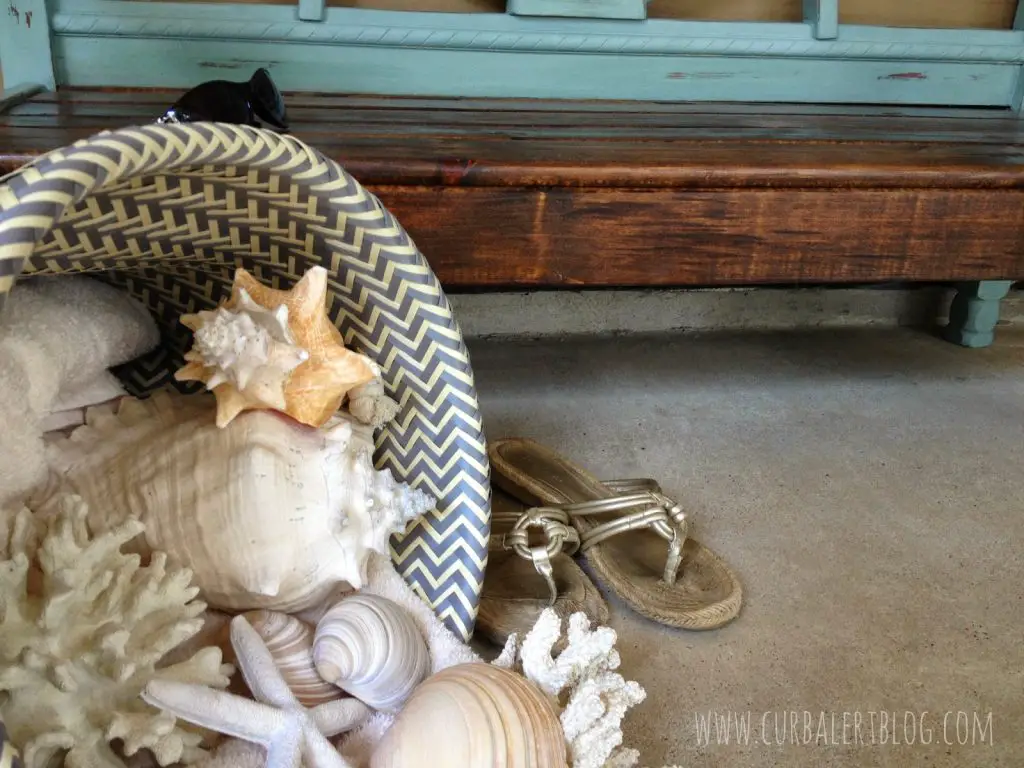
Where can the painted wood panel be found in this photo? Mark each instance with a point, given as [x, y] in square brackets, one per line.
[440, 6]
[146, 44]
[133, 44]
[976, 14]
[425, 71]
[726, 10]
[25, 56]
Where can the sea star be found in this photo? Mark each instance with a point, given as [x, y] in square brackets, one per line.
[292, 735]
[315, 389]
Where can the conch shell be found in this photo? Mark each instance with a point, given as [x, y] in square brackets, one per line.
[370, 647]
[267, 348]
[474, 715]
[290, 643]
[266, 512]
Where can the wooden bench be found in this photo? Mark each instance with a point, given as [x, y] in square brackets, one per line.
[534, 194]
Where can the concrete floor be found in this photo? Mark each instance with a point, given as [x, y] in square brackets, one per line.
[868, 487]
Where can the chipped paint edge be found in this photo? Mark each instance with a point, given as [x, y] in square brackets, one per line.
[25, 47]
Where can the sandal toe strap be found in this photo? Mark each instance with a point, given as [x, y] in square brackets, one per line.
[652, 510]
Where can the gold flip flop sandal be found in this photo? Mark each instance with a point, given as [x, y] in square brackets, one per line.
[634, 538]
[528, 573]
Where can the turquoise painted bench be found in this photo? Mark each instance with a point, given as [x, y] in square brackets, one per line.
[572, 50]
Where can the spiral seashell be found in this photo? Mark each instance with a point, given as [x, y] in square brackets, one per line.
[290, 643]
[474, 715]
[370, 647]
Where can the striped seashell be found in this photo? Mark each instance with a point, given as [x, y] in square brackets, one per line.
[290, 643]
[370, 647]
[474, 715]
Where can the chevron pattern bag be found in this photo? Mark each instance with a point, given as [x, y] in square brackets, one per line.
[168, 212]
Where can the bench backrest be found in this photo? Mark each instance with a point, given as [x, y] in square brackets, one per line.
[577, 49]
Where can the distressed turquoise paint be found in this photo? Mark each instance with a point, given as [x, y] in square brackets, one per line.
[11, 97]
[823, 16]
[1018, 95]
[503, 32]
[25, 44]
[587, 9]
[1017, 100]
[422, 71]
[99, 42]
[975, 312]
[312, 10]
[113, 42]
[102, 42]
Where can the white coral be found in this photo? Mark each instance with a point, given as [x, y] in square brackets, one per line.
[592, 697]
[82, 628]
[20, 532]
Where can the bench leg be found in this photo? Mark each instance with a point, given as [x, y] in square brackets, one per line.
[975, 312]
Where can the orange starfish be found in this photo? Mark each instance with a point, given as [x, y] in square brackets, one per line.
[311, 392]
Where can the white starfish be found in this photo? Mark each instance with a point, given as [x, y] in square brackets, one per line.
[292, 735]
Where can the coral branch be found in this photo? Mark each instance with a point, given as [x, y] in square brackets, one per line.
[78, 650]
[592, 720]
[20, 532]
[587, 651]
[594, 698]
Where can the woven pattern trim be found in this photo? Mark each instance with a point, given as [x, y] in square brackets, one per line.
[169, 212]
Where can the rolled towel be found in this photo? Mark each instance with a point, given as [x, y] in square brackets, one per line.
[57, 335]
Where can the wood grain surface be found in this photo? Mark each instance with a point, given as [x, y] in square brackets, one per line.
[502, 238]
[523, 193]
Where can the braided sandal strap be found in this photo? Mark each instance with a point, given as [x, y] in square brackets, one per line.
[653, 510]
[656, 512]
[558, 532]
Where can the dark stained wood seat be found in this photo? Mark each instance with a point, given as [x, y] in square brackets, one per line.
[541, 194]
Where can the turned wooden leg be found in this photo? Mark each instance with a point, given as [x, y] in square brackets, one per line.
[975, 312]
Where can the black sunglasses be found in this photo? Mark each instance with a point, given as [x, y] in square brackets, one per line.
[224, 101]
